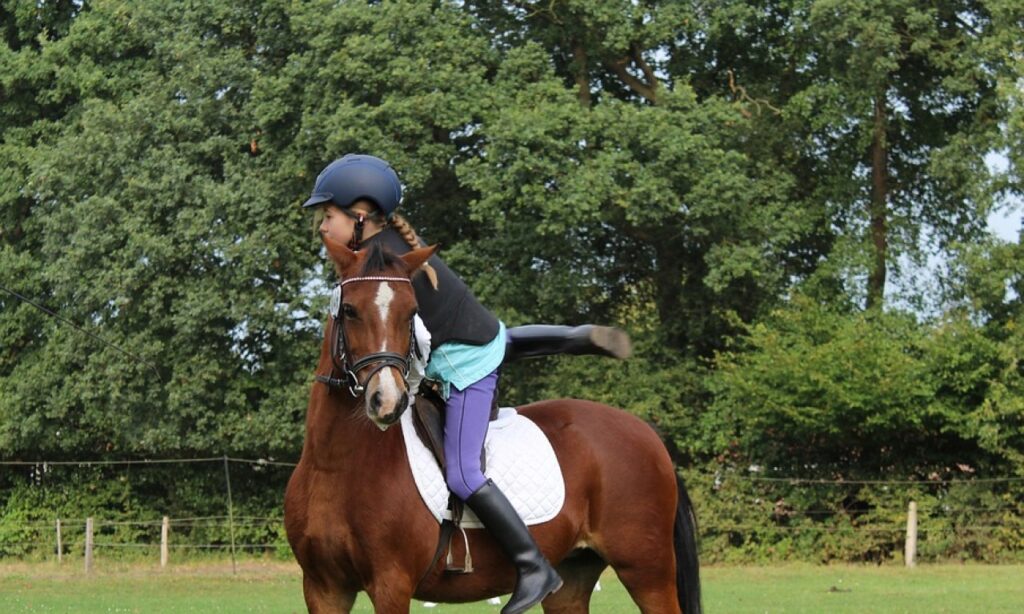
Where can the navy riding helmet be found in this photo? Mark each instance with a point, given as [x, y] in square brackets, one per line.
[357, 177]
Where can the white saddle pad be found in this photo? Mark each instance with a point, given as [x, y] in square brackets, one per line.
[520, 460]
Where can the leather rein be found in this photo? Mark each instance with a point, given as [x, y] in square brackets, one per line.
[340, 358]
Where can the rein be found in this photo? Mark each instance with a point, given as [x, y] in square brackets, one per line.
[340, 358]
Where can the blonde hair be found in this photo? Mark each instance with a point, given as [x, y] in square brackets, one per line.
[318, 218]
[402, 226]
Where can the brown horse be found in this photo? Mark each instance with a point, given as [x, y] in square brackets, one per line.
[356, 522]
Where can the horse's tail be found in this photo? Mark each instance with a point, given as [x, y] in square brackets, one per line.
[685, 541]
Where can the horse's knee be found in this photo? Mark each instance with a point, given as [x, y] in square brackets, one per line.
[324, 599]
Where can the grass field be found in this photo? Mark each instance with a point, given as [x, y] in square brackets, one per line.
[276, 587]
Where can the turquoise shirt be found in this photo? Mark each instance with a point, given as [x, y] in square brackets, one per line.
[462, 365]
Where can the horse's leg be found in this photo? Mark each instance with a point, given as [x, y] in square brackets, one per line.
[637, 541]
[580, 572]
[653, 591]
[391, 594]
[326, 599]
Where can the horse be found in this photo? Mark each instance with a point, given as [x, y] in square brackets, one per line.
[355, 520]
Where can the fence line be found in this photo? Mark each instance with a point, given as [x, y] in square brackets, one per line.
[841, 482]
[156, 461]
[193, 521]
[863, 529]
[751, 478]
[210, 521]
[760, 498]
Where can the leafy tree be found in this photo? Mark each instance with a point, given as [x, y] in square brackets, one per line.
[672, 167]
[153, 224]
[881, 112]
[815, 392]
[631, 182]
[987, 384]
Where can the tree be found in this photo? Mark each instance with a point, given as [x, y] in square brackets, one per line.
[882, 112]
[814, 392]
[592, 141]
[985, 343]
[153, 223]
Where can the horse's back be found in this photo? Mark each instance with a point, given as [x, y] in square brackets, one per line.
[608, 430]
[609, 456]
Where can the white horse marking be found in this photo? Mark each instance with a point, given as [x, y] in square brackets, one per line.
[387, 383]
[383, 301]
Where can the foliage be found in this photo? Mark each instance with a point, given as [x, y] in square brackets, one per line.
[812, 392]
[823, 393]
[882, 113]
[128, 503]
[746, 516]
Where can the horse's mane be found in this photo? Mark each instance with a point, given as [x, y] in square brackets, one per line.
[379, 260]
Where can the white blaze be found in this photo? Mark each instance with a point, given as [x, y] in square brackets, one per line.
[384, 296]
[387, 384]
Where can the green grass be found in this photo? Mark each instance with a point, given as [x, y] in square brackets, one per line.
[276, 587]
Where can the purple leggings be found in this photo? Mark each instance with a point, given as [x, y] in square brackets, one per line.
[467, 413]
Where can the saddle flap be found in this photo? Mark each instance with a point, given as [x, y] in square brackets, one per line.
[428, 419]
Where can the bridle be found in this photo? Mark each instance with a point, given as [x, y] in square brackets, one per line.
[341, 360]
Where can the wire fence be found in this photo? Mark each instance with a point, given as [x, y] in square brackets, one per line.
[75, 508]
[752, 517]
[749, 514]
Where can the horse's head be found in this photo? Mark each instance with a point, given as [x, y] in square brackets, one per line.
[374, 322]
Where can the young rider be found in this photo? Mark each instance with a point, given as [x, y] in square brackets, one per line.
[358, 196]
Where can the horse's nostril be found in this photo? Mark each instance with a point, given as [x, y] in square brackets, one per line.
[403, 402]
[375, 401]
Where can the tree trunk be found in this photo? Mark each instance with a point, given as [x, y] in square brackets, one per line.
[879, 205]
[579, 53]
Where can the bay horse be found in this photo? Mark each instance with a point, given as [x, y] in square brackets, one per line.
[356, 522]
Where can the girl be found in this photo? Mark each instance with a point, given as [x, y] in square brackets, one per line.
[358, 196]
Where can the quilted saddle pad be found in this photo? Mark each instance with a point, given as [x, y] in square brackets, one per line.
[520, 461]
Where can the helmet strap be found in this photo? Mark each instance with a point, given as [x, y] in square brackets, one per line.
[357, 236]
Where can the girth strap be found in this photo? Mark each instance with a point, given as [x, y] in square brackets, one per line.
[447, 530]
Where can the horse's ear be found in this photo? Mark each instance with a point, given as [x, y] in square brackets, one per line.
[415, 258]
[342, 256]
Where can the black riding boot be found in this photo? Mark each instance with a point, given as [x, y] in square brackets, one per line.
[544, 340]
[536, 578]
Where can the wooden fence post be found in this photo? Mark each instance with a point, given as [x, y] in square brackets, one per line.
[60, 547]
[910, 551]
[231, 516]
[88, 544]
[164, 528]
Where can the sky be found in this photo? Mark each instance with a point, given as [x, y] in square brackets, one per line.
[1005, 224]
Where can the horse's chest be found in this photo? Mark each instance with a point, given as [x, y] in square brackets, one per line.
[338, 503]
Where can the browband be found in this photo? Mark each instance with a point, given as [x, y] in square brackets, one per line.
[374, 278]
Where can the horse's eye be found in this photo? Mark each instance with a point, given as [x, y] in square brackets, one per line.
[349, 311]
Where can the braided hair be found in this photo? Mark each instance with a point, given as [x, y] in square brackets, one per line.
[402, 226]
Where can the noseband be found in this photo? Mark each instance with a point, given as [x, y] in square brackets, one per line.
[339, 349]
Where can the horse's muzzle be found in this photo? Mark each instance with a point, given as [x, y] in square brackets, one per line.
[386, 420]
